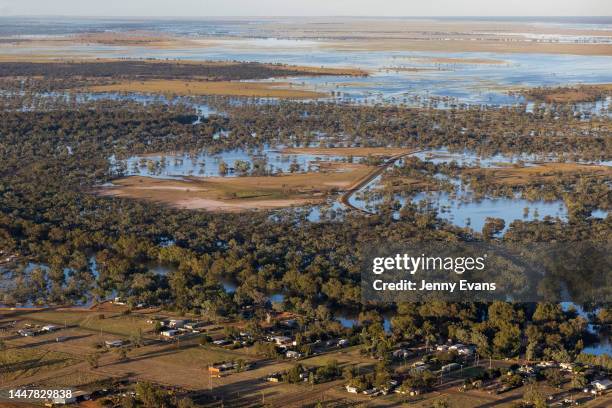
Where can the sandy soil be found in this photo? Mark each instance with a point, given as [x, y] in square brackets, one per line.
[231, 88]
[237, 194]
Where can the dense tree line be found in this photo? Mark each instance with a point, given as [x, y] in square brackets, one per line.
[52, 160]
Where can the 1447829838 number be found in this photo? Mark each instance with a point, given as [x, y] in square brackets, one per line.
[39, 394]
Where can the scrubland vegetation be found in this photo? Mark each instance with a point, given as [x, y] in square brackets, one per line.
[55, 155]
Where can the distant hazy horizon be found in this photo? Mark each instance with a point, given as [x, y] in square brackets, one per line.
[305, 8]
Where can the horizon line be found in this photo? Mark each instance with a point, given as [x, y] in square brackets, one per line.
[306, 16]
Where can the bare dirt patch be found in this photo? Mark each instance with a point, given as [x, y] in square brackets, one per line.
[236, 194]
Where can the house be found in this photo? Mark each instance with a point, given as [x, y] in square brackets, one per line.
[27, 332]
[352, 389]
[81, 395]
[404, 389]
[216, 370]
[420, 366]
[461, 349]
[527, 370]
[289, 323]
[401, 354]
[602, 385]
[456, 346]
[283, 341]
[113, 343]
[390, 386]
[169, 333]
[450, 367]
[293, 354]
[274, 377]
[465, 350]
[71, 398]
[65, 400]
[176, 323]
[193, 326]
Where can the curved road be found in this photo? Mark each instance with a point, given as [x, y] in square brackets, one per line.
[345, 197]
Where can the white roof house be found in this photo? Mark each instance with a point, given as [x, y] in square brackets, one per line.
[351, 389]
[169, 333]
[293, 354]
[282, 340]
[602, 385]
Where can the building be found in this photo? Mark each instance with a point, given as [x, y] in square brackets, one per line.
[64, 400]
[401, 354]
[50, 328]
[602, 385]
[450, 367]
[27, 332]
[169, 333]
[420, 366]
[193, 326]
[352, 389]
[289, 323]
[293, 354]
[214, 372]
[176, 323]
[283, 341]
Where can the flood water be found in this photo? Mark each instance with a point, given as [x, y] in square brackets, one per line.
[462, 208]
[205, 164]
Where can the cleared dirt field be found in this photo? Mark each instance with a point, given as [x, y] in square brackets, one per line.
[235, 194]
[229, 88]
[24, 362]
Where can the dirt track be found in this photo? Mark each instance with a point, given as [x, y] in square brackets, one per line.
[345, 197]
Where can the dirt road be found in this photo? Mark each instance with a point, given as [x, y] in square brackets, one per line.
[345, 197]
